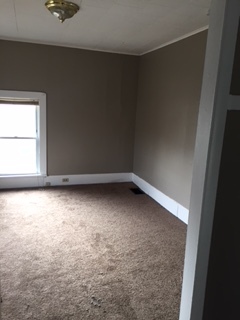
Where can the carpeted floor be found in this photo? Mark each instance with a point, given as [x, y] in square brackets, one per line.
[89, 252]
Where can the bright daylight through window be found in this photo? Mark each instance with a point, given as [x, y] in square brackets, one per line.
[22, 142]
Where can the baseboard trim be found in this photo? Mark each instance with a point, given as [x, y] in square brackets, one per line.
[26, 181]
[36, 181]
[88, 179]
[169, 204]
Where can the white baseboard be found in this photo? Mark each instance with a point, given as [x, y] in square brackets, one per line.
[183, 213]
[171, 205]
[32, 181]
[89, 179]
[26, 181]
[12, 182]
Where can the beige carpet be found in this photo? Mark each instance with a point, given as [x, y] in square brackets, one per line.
[89, 252]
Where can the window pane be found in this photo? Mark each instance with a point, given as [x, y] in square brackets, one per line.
[17, 120]
[17, 156]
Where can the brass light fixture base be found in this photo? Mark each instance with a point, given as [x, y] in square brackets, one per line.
[62, 9]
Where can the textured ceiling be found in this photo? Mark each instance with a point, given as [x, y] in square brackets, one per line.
[124, 26]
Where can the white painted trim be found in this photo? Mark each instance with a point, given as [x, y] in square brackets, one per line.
[41, 111]
[21, 94]
[214, 100]
[68, 46]
[33, 181]
[169, 204]
[27, 181]
[106, 51]
[89, 178]
[187, 35]
[183, 213]
[39, 181]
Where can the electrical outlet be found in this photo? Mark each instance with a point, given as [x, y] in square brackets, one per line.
[48, 184]
[65, 180]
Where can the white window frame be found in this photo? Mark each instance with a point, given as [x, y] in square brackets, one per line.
[41, 118]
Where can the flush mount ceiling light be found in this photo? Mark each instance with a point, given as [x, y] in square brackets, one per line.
[62, 9]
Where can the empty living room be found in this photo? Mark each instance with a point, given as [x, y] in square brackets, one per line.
[107, 142]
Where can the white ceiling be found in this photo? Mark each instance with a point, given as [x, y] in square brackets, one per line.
[124, 26]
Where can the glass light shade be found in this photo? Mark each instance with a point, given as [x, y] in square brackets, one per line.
[62, 9]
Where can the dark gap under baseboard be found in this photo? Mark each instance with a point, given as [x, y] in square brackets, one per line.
[137, 191]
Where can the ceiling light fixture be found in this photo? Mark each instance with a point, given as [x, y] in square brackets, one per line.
[62, 9]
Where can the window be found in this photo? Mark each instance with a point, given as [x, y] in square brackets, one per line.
[22, 133]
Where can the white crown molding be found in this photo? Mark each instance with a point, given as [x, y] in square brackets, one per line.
[106, 51]
[45, 43]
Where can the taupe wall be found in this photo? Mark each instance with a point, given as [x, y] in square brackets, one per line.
[91, 102]
[91, 108]
[168, 100]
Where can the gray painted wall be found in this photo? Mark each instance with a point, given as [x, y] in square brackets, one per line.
[169, 90]
[91, 108]
[91, 102]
